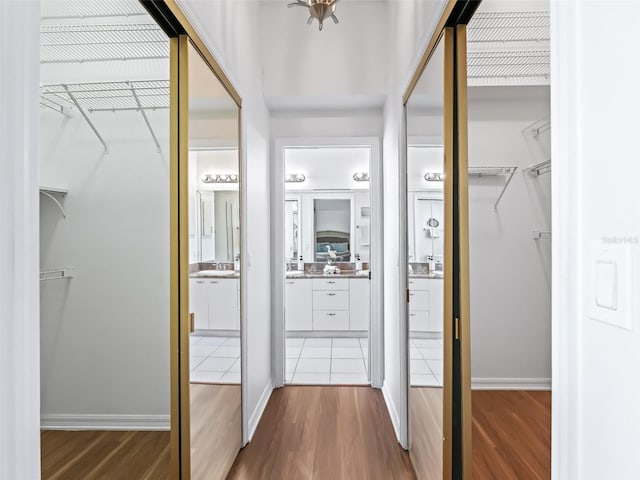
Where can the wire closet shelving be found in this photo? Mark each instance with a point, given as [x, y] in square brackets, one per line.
[83, 9]
[480, 172]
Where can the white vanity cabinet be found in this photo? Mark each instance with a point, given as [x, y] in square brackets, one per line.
[327, 304]
[425, 304]
[359, 304]
[215, 303]
[298, 297]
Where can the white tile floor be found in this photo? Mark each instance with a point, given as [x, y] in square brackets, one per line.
[323, 361]
[426, 362]
[215, 359]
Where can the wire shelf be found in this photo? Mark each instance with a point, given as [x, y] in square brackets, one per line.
[480, 172]
[538, 169]
[509, 64]
[110, 96]
[100, 43]
[55, 10]
[493, 27]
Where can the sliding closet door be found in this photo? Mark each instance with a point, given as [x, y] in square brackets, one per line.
[437, 255]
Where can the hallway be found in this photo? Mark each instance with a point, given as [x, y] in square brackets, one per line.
[324, 433]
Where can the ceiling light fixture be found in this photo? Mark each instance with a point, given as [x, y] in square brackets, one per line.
[318, 9]
[434, 177]
[361, 177]
[294, 178]
[220, 178]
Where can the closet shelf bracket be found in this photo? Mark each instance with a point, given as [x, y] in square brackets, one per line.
[86, 117]
[56, 274]
[538, 169]
[538, 127]
[494, 172]
[540, 235]
[49, 192]
[144, 115]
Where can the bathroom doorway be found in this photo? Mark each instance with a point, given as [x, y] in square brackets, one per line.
[328, 255]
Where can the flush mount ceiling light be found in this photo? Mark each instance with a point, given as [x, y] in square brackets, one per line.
[434, 177]
[318, 9]
[220, 178]
[361, 177]
[294, 178]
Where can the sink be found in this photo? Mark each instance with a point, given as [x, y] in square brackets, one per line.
[362, 272]
[295, 273]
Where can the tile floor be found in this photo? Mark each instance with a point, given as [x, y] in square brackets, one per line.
[313, 361]
[327, 361]
[215, 360]
[426, 362]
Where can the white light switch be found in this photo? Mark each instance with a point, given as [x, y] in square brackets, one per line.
[608, 296]
[606, 281]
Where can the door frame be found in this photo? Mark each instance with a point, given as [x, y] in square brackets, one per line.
[376, 330]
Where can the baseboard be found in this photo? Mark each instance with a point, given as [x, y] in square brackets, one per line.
[259, 410]
[511, 384]
[393, 412]
[105, 422]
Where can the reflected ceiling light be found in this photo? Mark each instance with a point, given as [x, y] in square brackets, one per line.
[220, 178]
[318, 9]
[294, 178]
[361, 177]
[434, 177]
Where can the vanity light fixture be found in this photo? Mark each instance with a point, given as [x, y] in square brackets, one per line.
[318, 9]
[294, 178]
[220, 178]
[434, 177]
[361, 177]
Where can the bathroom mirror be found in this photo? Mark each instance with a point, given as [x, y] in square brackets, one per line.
[332, 229]
[214, 386]
[292, 237]
[426, 237]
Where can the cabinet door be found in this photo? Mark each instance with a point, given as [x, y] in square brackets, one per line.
[297, 308]
[436, 302]
[199, 303]
[359, 304]
[223, 304]
[330, 300]
[419, 321]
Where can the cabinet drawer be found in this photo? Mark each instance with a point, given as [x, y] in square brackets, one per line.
[331, 283]
[330, 300]
[418, 300]
[330, 320]
[418, 284]
[418, 321]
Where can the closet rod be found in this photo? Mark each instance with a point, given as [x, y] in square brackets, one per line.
[144, 115]
[86, 117]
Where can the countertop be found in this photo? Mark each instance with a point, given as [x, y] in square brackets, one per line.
[342, 274]
[426, 275]
[215, 274]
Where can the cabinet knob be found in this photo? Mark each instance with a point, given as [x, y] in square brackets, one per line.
[214, 281]
[289, 283]
[331, 281]
[331, 294]
[331, 314]
[200, 281]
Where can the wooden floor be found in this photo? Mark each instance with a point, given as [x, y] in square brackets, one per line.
[324, 433]
[511, 435]
[105, 455]
[426, 432]
[216, 430]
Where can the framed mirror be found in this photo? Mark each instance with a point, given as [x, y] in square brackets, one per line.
[292, 225]
[211, 428]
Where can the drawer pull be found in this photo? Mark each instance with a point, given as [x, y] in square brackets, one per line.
[214, 281]
[411, 294]
[289, 283]
[331, 314]
[200, 281]
[331, 294]
[412, 314]
[331, 281]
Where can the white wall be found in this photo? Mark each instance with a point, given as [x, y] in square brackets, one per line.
[105, 332]
[19, 340]
[510, 272]
[411, 24]
[230, 30]
[595, 100]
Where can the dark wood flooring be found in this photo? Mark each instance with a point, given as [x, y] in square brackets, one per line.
[324, 433]
[511, 435]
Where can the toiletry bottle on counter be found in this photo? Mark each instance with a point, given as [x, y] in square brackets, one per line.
[300, 264]
[236, 263]
[431, 264]
[358, 263]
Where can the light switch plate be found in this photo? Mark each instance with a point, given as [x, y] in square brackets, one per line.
[609, 284]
